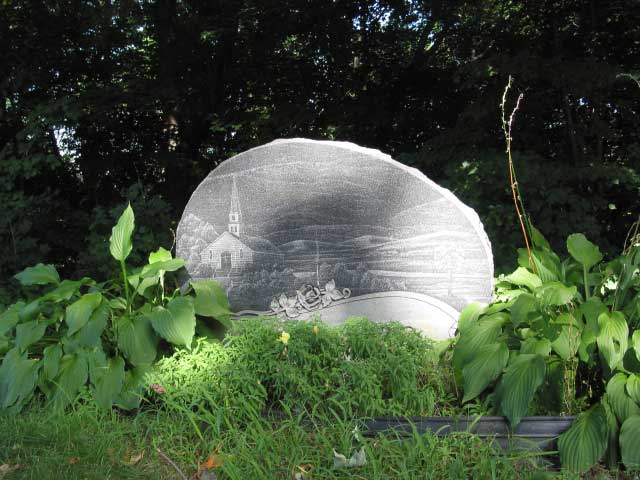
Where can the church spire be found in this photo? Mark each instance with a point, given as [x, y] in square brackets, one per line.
[235, 215]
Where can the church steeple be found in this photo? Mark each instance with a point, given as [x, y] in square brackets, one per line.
[235, 215]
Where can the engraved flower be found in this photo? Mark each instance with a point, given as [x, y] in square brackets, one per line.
[284, 337]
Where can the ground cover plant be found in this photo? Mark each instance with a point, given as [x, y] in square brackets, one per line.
[67, 334]
[562, 337]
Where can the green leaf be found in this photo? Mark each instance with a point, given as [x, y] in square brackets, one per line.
[66, 290]
[633, 388]
[484, 332]
[120, 241]
[10, 318]
[635, 342]
[18, 378]
[160, 255]
[621, 403]
[583, 250]
[133, 388]
[29, 333]
[177, 322]
[89, 335]
[109, 382]
[629, 449]
[78, 313]
[567, 343]
[539, 346]
[538, 239]
[211, 301]
[51, 361]
[519, 383]
[555, 294]
[587, 347]
[136, 339]
[149, 271]
[485, 367]
[547, 265]
[612, 337]
[469, 315]
[585, 442]
[73, 375]
[592, 309]
[38, 275]
[31, 310]
[523, 310]
[523, 277]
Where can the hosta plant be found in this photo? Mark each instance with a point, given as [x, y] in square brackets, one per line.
[79, 334]
[562, 336]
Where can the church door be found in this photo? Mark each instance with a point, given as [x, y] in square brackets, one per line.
[225, 261]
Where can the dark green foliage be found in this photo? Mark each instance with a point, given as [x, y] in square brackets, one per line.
[98, 99]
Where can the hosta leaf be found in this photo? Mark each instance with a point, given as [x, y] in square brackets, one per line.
[584, 444]
[587, 347]
[539, 346]
[73, 375]
[136, 339]
[211, 301]
[154, 269]
[486, 365]
[483, 332]
[109, 382]
[67, 289]
[555, 294]
[30, 311]
[547, 265]
[519, 383]
[160, 255]
[51, 361]
[633, 388]
[38, 275]
[89, 335]
[78, 313]
[18, 378]
[523, 309]
[592, 309]
[635, 343]
[176, 323]
[567, 343]
[583, 250]
[133, 388]
[29, 333]
[523, 277]
[10, 318]
[612, 337]
[120, 241]
[629, 448]
[612, 454]
[621, 403]
[469, 315]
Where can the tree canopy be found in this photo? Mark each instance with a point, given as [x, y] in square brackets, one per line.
[104, 102]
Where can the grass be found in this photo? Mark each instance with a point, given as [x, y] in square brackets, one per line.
[268, 406]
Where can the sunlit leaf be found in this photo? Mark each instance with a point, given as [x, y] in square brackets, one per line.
[483, 332]
[633, 388]
[523, 277]
[612, 337]
[583, 250]
[469, 315]
[555, 294]
[120, 241]
[177, 322]
[523, 309]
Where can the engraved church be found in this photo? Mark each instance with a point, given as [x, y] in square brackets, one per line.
[234, 252]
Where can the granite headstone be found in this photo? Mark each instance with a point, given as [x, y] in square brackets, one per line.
[299, 227]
